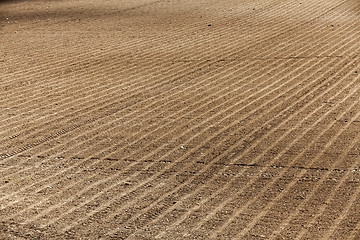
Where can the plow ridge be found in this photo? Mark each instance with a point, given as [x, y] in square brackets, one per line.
[180, 120]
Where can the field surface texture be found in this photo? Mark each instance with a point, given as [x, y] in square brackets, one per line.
[180, 119]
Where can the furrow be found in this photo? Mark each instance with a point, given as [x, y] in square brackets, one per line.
[288, 186]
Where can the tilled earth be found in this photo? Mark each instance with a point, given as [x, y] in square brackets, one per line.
[180, 119]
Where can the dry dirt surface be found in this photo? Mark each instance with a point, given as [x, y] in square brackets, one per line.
[180, 119]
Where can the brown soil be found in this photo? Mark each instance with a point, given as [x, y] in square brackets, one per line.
[174, 119]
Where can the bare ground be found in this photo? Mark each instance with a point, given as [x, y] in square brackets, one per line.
[175, 119]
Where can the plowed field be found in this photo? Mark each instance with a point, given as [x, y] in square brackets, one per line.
[180, 119]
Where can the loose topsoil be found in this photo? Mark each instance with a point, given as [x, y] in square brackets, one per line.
[179, 119]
